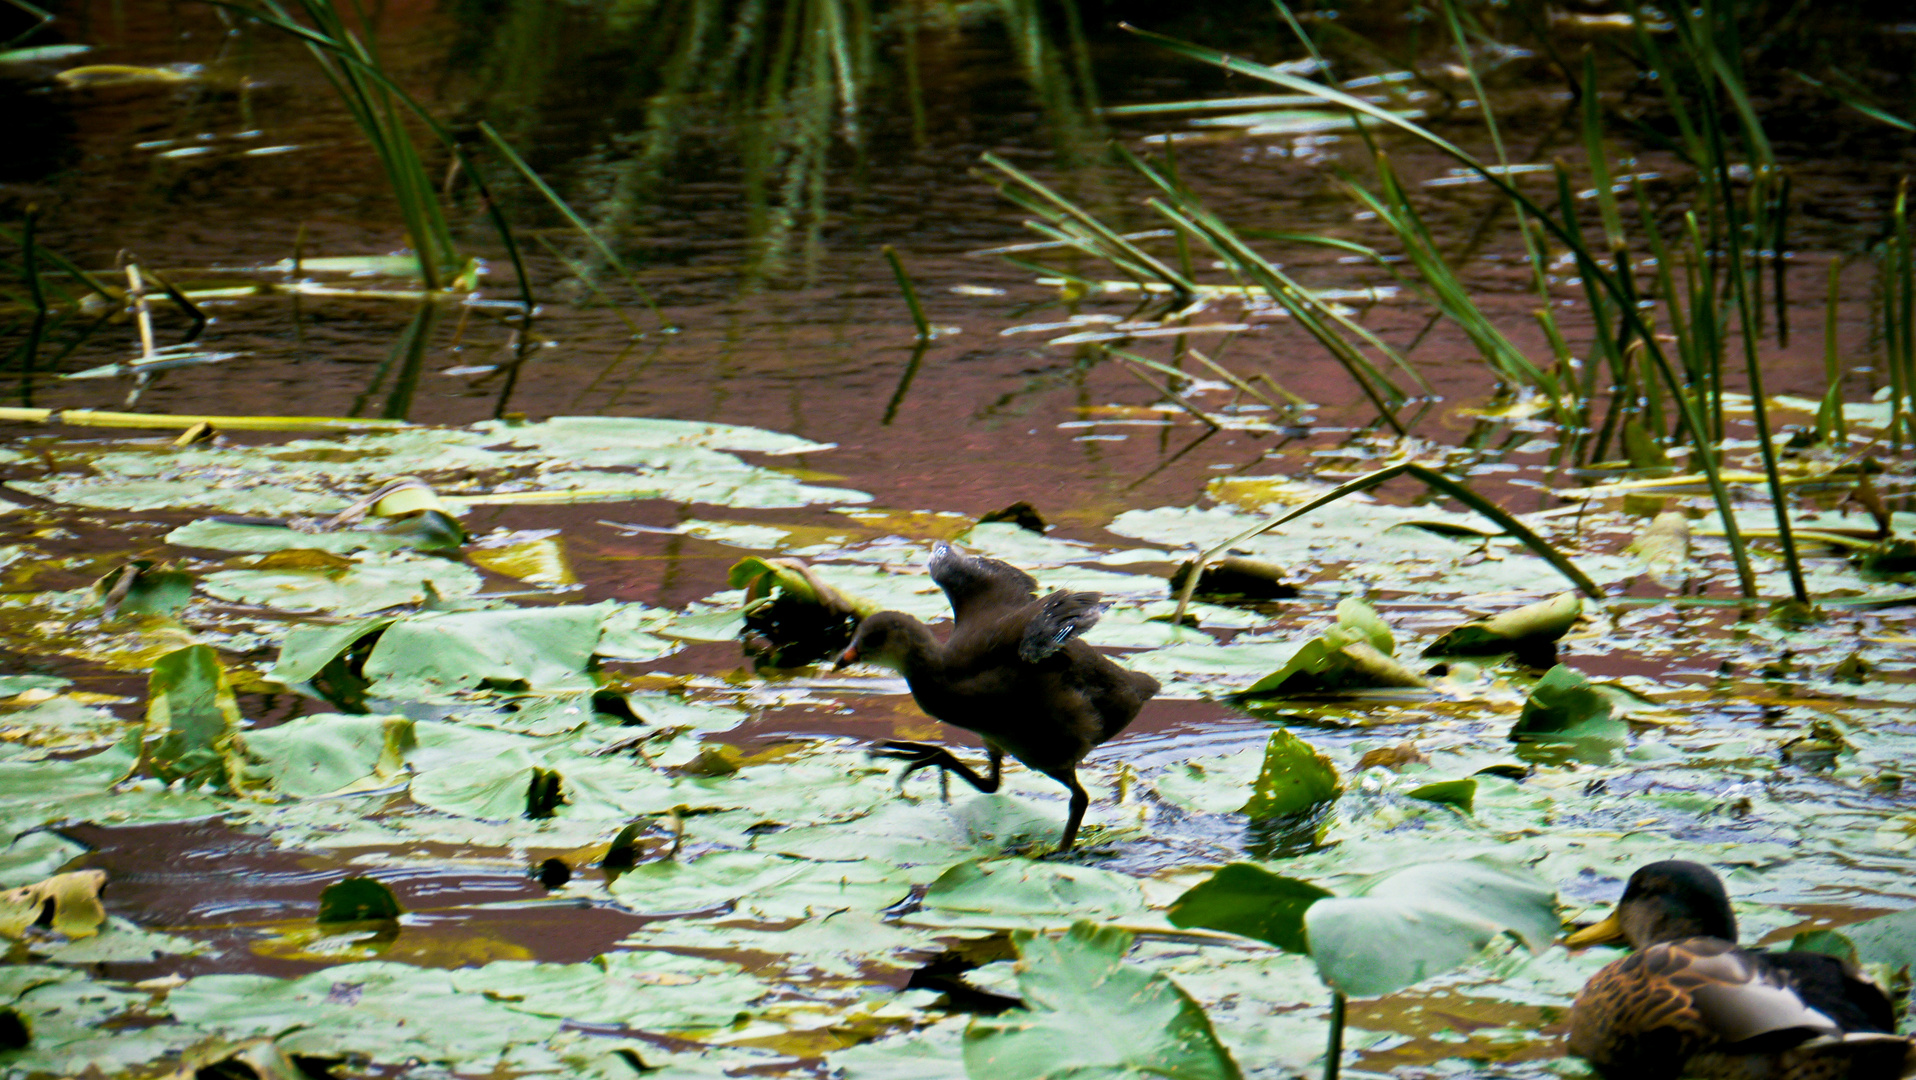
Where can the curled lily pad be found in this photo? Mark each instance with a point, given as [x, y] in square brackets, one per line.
[1530, 627]
[1295, 779]
[190, 715]
[68, 903]
[1354, 654]
[1247, 899]
[1237, 576]
[1564, 708]
[793, 617]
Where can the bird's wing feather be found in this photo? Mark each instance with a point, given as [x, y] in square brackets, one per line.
[1740, 997]
[1061, 617]
[975, 584]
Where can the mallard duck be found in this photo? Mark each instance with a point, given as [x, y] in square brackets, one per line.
[1013, 669]
[1688, 1002]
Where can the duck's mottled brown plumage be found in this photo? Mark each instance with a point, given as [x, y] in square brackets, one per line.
[1013, 670]
[1690, 1003]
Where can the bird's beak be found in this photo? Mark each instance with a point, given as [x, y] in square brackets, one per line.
[1602, 933]
[849, 656]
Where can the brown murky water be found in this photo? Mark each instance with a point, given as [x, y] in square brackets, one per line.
[987, 416]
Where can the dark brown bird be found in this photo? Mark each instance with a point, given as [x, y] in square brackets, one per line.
[1013, 670]
[1689, 1002]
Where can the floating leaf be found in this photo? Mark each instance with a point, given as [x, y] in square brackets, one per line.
[1020, 887]
[325, 754]
[1295, 778]
[1565, 708]
[1087, 1013]
[1247, 899]
[1530, 626]
[1402, 927]
[1889, 939]
[143, 587]
[68, 903]
[516, 649]
[1461, 794]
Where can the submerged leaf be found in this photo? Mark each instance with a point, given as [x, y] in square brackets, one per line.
[143, 587]
[357, 899]
[1295, 778]
[1090, 1014]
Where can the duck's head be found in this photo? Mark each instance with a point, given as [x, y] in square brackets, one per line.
[1665, 901]
[884, 639]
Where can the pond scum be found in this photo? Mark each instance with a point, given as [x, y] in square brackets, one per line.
[1389, 869]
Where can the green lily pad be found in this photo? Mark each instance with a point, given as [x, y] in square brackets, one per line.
[1564, 708]
[376, 583]
[1087, 1013]
[1402, 927]
[1247, 899]
[1294, 779]
[190, 715]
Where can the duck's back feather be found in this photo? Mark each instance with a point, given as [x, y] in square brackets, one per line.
[1703, 1007]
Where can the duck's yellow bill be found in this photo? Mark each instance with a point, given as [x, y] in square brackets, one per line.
[1602, 933]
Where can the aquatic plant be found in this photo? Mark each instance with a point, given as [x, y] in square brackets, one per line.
[1664, 379]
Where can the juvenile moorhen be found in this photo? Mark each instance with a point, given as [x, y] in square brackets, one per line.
[1013, 670]
[1689, 1002]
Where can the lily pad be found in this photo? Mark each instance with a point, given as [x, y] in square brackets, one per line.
[1295, 779]
[1087, 1013]
[1564, 708]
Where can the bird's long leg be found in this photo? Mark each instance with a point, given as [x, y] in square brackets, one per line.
[1079, 802]
[922, 755]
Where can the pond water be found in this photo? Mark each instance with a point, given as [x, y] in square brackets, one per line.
[1772, 750]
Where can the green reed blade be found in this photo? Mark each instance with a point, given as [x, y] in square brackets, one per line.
[1430, 478]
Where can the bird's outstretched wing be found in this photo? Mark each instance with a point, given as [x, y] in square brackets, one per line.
[1061, 617]
[977, 586]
